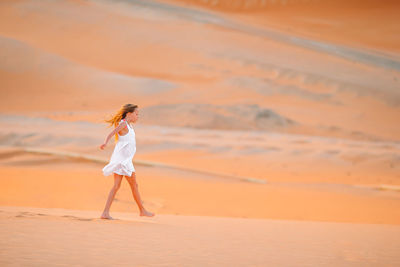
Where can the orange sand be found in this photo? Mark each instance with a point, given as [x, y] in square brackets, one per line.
[77, 186]
[186, 240]
[265, 111]
[363, 23]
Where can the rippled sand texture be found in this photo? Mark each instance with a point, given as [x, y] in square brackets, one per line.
[272, 114]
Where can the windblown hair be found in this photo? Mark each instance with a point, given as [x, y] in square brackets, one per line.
[121, 114]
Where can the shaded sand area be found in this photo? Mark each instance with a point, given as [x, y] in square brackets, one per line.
[199, 68]
[49, 237]
[356, 23]
[266, 137]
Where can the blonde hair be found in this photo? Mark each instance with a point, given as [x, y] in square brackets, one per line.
[120, 115]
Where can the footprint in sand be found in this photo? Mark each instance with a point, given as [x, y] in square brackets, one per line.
[77, 218]
[26, 214]
[84, 219]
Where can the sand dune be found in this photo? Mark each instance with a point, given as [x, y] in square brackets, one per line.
[268, 132]
[49, 237]
[257, 69]
[50, 76]
[353, 23]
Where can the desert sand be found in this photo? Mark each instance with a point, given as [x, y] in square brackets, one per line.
[269, 132]
[175, 240]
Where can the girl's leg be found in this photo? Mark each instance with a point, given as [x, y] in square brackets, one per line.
[111, 195]
[135, 192]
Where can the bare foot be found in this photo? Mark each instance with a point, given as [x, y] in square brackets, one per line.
[106, 216]
[146, 213]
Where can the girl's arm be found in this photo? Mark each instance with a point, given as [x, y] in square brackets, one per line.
[113, 132]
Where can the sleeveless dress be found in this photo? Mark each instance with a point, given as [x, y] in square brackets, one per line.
[121, 158]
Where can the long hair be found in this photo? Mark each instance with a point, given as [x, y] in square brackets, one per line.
[121, 114]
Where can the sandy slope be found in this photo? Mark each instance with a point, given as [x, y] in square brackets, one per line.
[297, 96]
[350, 22]
[186, 60]
[49, 237]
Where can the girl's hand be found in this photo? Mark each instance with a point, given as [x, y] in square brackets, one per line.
[102, 146]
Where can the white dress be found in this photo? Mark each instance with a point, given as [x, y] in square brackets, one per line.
[121, 158]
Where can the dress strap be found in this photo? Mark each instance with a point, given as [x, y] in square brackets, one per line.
[127, 124]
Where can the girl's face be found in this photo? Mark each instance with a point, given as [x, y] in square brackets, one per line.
[133, 116]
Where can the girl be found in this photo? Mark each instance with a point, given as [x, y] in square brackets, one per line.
[121, 158]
